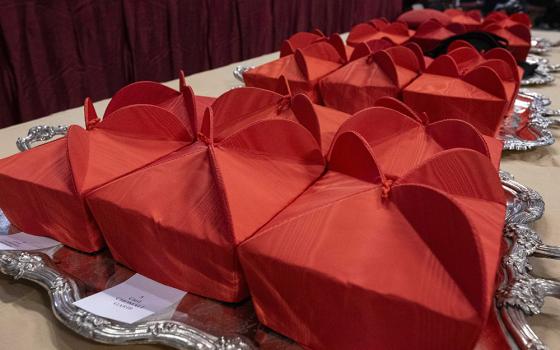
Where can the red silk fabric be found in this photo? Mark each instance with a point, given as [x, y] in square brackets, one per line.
[43, 189]
[388, 223]
[254, 155]
[431, 32]
[232, 197]
[360, 83]
[504, 20]
[414, 18]
[518, 37]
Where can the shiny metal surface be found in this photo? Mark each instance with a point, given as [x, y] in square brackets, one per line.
[238, 72]
[40, 133]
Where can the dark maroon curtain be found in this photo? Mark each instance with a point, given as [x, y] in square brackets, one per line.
[54, 53]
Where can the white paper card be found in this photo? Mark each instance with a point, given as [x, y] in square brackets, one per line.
[132, 300]
[24, 241]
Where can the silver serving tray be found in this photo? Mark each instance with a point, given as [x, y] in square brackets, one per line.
[199, 323]
[542, 45]
[543, 74]
[530, 108]
[541, 77]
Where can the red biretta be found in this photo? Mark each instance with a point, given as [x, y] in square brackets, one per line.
[432, 32]
[358, 84]
[478, 96]
[471, 20]
[340, 243]
[517, 35]
[303, 69]
[42, 191]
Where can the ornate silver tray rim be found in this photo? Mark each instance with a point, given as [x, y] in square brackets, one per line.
[541, 76]
[40, 133]
[520, 294]
[543, 72]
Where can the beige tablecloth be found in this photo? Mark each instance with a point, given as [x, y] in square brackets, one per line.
[26, 321]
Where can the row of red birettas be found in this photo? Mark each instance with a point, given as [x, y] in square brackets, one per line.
[351, 191]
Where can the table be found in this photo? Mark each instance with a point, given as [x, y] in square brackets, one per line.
[27, 321]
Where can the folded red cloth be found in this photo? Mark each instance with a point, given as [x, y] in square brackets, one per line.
[380, 22]
[507, 21]
[414, 18]
[303, 40]
[424, 61]
[372, 46]
[471, 20]
[500, 60]
[366, 225]
[478, 96]
[303, 69]
[180, 220]
[517, 35]
[397, 32]
[358, 84]
[432, 32]
[42, 190]
[443, 134]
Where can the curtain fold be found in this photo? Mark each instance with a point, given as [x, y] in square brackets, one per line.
[55, 53]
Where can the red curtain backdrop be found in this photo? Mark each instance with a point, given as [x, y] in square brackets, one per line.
[54, 53]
